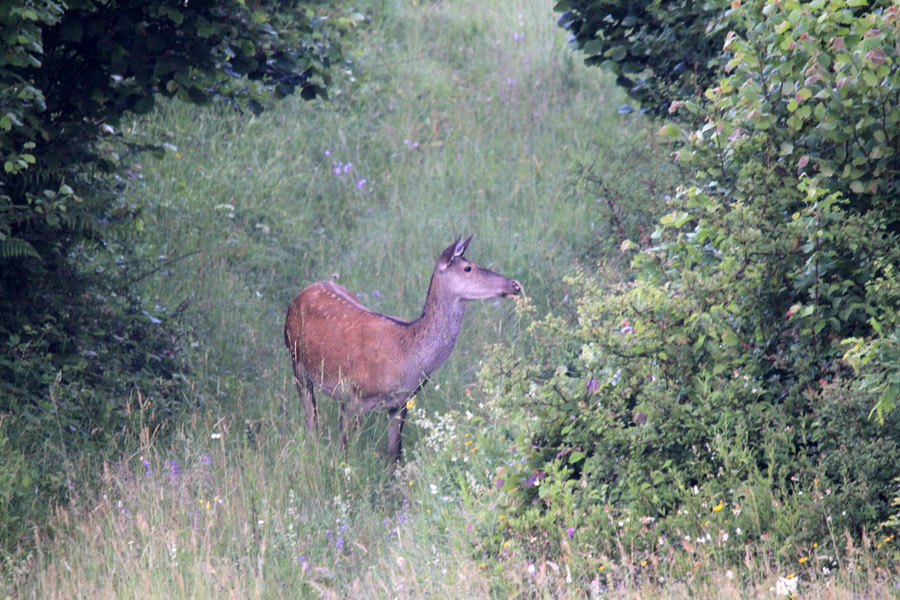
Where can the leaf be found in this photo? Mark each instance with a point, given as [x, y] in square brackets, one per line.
[576, 457]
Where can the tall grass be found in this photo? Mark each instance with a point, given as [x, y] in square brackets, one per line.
[451, 118]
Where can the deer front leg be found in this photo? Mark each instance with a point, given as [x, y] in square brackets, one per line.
[395, 429]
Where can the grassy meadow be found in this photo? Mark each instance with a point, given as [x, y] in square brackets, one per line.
[450, 118]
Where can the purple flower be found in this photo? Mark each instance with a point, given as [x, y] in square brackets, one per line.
[146, 464]
[499, 483]
[304, 563]
[361, 183]
[205, 459]
[376, 293]
[570, 531]
[347, 167]
[174, 469]
[592, 386]
[339, 544]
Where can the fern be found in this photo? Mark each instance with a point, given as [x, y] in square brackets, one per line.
[11, 247]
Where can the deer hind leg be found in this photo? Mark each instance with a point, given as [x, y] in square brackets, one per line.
[307, 396]
[350, 414]
[395, 429]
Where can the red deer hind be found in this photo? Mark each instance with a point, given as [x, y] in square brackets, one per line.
[372, 361]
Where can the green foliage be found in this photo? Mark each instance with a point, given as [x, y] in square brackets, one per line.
[659, 51]
[83, 359]
[722, 367]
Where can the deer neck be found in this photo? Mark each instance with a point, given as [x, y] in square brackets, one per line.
[433, 334]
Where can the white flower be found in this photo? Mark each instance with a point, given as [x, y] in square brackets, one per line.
[785, 586]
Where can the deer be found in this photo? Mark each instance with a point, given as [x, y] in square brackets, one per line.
[367, 360]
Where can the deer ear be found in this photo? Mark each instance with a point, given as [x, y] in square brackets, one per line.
[449, 254]
[461, 246]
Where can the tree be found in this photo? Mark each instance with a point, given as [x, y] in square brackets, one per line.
[76, 338]
[659, 51]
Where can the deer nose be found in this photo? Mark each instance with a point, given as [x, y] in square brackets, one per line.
[516, 287]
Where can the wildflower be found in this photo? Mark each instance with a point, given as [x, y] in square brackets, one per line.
[205, 459]
[215, 435]
[785, 586]
[531, 569]
[174, 469]
[571, 532]
[804, 559]
[718, 506]
[304, 563]
[146, 464]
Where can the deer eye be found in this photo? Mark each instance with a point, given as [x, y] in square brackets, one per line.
[467, 269]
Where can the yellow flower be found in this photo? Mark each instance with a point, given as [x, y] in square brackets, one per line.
[804, 559]
[718, 507]
[410, 403]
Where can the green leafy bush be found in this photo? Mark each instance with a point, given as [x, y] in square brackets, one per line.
[659, 51]
[717, 377]
[83, 358]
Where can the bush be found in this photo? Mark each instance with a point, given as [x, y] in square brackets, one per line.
[659, 51]
[717, 376]
[84, 360]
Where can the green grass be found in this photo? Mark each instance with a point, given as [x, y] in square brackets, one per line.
[462, 117]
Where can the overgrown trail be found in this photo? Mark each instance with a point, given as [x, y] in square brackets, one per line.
[453, 117]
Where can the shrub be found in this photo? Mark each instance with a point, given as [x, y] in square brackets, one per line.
[716, 376]
[83, 359]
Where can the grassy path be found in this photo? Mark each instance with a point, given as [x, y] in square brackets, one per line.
[452, 117]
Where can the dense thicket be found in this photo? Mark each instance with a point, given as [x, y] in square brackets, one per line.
[82, 357]
[659, 51]
[722, 375]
